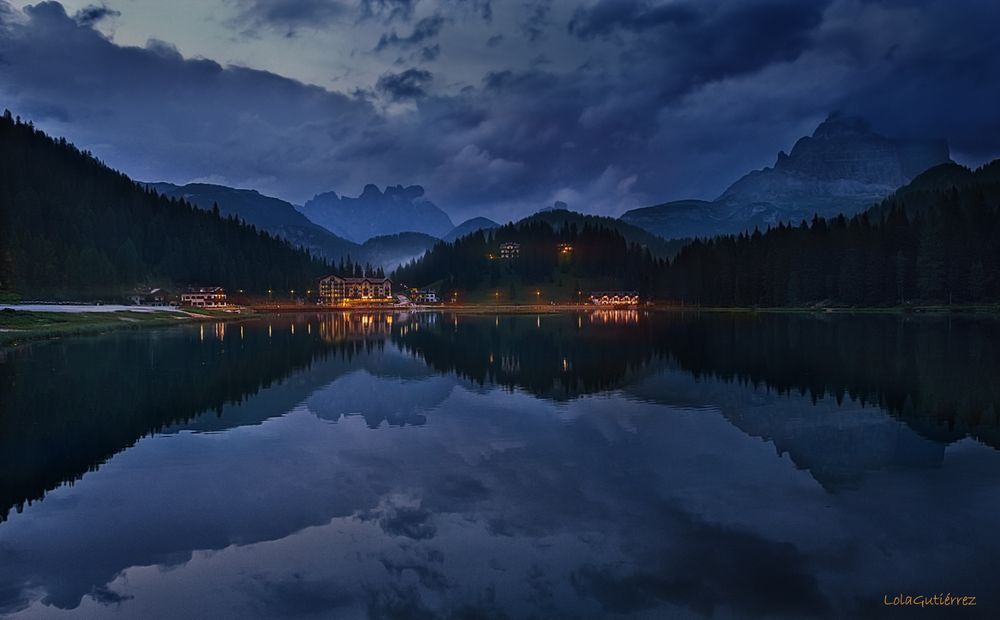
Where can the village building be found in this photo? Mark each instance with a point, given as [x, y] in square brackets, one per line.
[338, 291]
[614, 298]
[149, 297]
[424, 296]
[510, 249]
[205, 297]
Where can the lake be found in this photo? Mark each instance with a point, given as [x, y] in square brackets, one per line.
[575, 465]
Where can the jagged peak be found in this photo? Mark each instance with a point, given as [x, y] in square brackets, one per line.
[838, 124]
[409, 192]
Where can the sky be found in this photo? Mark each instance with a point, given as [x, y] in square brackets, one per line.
[498, 108]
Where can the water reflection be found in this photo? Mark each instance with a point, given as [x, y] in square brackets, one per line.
[561, 465]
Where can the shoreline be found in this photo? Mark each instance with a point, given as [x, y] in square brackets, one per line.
[21, 326]
[981, 310]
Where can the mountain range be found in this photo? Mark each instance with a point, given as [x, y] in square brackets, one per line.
[843, 168]
[282, 219]
[376, 213]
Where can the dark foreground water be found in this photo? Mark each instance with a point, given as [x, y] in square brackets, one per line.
[608, 464]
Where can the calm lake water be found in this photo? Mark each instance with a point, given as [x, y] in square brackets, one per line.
[605, 464]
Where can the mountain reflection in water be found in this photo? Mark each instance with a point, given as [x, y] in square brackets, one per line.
[553, 465]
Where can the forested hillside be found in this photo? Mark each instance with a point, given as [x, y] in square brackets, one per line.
[71, 227]
[933, 241]
[598, 255]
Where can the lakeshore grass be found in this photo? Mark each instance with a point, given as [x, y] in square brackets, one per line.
[17, 326]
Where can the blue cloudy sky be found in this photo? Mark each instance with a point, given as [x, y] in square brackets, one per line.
[497, 107]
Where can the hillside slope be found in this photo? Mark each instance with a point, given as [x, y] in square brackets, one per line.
[468, 227]
[72, 227]
[276, 216]
[843, 168]
[658, 247]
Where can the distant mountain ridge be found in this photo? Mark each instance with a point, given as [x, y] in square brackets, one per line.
[376, 213]
[468, 227]
[843, 168]
[282, 219]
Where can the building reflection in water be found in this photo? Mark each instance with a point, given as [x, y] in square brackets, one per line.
[350, 326]
[617, 317]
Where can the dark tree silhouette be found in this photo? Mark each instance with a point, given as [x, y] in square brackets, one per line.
[71, 227]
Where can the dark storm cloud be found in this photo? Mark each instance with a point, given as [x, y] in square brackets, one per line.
[429, 53]
[535, 20]
[660, 100]
[705, 41]
[946, 87]
[108, 597]
[91, 14]
[409, 84]
[388, 9]
[290, 15]
[482, 9]
[423, 31]
[609, 15]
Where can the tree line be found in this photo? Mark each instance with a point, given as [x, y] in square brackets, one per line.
[933, 241]
[929, 243]
[70, 226]
[597, 253]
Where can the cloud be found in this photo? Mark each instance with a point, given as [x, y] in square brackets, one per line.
[402, 516]
[388, 9]
[423, 31]
[635, 100]
[535, 19]
[196, 117]
[608, 16]
[93, 13]
[429, 53]
[409, 84]
[297, 596]
[292, 15]
[480, 8]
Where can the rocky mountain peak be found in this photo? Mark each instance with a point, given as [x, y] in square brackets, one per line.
[843, 167]
[410, 192]
[370, 192]
[376, 213]
[838, 125]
